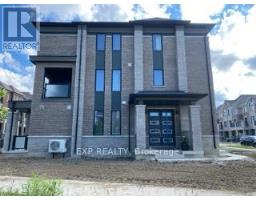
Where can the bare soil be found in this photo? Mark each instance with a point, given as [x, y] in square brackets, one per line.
[236, 176]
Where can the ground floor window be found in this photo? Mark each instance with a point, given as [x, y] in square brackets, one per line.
[98, 123]
[115, 123]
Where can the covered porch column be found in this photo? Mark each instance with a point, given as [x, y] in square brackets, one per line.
[195, 124]
[140, 126]
[11, 129]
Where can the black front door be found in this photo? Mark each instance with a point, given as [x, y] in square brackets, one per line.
[161, 128]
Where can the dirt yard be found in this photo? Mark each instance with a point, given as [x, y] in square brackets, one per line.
[230, 176]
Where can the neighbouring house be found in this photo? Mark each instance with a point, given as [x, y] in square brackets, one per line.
[137, 85]
[13, 94]
[237, 117]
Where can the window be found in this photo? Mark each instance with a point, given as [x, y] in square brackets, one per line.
[57, 82]
[100, 42]
[157, 42]
[98, 123]
[116, 80]
[158, 77]
[1, 99]
[116, 42]
[99, 80]
[115, 123]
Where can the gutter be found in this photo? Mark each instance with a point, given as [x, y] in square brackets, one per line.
[210, 89]
[78, 95]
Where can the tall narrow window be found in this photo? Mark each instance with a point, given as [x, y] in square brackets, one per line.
[157, 42]
[101, 42]
[116, 80]
[98, 123]
[115, 123]
[57, 82]
[158, 77]
[116, 40]
[99, 80]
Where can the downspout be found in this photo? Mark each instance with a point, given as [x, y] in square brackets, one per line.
[210, 89]
[129, 132]
[10, 137]
[78, 90]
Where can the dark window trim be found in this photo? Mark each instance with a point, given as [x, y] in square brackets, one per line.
[95, 89]
[119, 121]
[69, 89]
[161, 36]
[120, 80]
[95, 110]
[104, 42]
[162, 78]
[113, 41]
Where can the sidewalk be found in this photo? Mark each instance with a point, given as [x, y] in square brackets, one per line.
[84, 188]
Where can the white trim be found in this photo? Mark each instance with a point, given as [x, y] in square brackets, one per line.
[194, 35]
[48, 136]
[59, 34]
[104, 136]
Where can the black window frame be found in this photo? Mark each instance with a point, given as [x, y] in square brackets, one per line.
[154, 77]
[97, 79]
[120, 127]
[120, 80]
[153, 41]
[120, 41]
[69, 85]
[97, 42]
[94, 124]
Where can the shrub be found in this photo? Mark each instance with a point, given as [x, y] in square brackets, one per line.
[36, 186]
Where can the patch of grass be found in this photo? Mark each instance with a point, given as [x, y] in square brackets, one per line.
[237, 145]
[36, 186]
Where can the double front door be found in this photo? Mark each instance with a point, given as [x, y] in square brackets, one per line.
[161, 128]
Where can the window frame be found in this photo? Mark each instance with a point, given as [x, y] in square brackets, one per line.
[120, 80]
[153, 39]
[103, 80]
[120, 121]
[162, 70]
[94, 124]
[97, 42]
[120, 42]
[69, 85]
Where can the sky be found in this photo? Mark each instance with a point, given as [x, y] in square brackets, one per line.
[232, 40]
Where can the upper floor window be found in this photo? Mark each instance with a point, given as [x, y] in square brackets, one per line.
[116, 80]
[57, 82]
[158, 79]
[157, 42]
[116, 42]
[100, 80]
[101, 42]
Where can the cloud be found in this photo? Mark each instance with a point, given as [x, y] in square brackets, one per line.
[102, 12]
[251, 62]
[222, 61]
[200, 12]
[236, 33]
[22, 82]
[234, 81]
[7, 61]
[219, 98]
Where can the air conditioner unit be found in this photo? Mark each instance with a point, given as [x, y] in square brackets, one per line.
[57, 146]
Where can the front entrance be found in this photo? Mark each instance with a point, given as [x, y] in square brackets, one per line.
[161, 128]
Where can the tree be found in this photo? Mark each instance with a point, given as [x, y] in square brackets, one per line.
[3, 110]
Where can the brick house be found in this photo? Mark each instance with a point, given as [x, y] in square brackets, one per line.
[236, 118]
[13, 94]
[143, 84]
